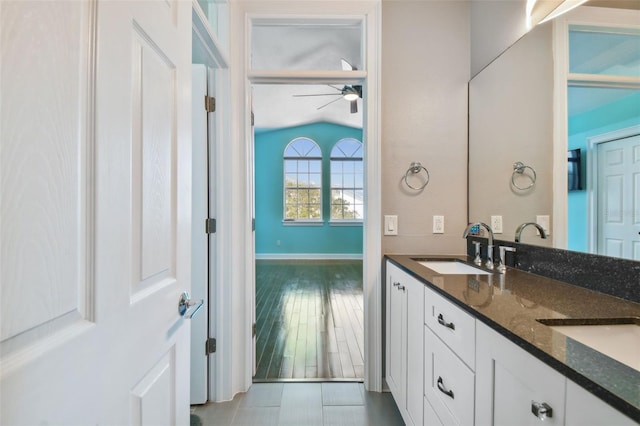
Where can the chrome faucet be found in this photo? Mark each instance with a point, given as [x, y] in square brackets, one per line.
[543, 233]
[489, 263]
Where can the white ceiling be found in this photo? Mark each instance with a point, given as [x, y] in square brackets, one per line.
[283, 45]
[275, 106]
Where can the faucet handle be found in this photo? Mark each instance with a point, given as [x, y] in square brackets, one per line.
[502, 267]
[477, 260]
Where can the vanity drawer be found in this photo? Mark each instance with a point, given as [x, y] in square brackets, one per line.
[448, 384]
[430, 416]
[455, 327]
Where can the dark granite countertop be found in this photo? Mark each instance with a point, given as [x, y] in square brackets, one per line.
[512, 303]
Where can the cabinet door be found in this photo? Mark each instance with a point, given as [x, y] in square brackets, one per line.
[449, 383]
[509, 381]
[396, 336]
[585, 409]
[415, 349]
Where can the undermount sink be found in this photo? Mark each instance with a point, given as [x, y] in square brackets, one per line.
[451, 267]
[618, 338]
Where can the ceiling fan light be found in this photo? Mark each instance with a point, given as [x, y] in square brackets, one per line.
[351, 96]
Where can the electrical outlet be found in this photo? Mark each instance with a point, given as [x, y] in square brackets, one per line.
[391, 225]
[543, 220]
[496, 224]
[438, 224]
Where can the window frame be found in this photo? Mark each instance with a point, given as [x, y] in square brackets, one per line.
[352, 158]
[297, 221]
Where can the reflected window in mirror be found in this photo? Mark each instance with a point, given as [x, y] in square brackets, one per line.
[596, 51]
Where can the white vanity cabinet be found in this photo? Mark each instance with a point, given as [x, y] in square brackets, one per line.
[449, 361]
[404, 334]
[585, 409]
[511, 384]
[445, 367]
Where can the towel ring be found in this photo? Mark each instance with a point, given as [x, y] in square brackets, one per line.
[416, 168]
[519, 168]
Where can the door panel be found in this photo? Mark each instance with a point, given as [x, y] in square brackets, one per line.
[154, 177]
[44, 231]
[619, 198]
[96, 194]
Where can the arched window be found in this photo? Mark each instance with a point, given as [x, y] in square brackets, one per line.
[347, 180]
[302, 181]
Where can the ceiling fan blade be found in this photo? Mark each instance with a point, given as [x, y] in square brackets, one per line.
[346, 66]
[335, 100]
[318, 94]
[354, 106]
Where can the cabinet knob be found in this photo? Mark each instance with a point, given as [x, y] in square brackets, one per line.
[541, 410]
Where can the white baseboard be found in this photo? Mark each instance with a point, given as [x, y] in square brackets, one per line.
[309, 256]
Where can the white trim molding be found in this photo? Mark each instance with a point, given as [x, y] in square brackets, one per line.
[238, 360]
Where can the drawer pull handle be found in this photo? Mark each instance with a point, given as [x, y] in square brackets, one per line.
[441, 321]
[396, 284]
[441, 388]
[401, 288]
[541, 410]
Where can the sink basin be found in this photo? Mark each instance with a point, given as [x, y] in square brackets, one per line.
[618, 338]
[452, 267]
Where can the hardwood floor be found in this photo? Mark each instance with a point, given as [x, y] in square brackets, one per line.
[309, 320]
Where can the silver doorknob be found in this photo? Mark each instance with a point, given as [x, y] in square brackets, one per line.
[186, 307]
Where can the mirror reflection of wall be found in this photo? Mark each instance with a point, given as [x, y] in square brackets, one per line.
[514, 116]
[511, 120]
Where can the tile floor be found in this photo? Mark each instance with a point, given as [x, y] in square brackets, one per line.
[303, 404]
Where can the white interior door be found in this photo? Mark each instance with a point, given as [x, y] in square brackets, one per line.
[96, 209]
[618, 195]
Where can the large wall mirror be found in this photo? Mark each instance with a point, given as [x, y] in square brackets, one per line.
[554, 134]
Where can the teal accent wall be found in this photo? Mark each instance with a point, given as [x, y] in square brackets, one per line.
[298, 239]
[614, 116]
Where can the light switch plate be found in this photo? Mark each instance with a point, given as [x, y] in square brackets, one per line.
[543, 220]
[496, 224]
[390, 225]
[438, 224]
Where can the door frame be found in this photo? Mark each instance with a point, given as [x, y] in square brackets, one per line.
[210, 49]
[239, 169]
[592, 178]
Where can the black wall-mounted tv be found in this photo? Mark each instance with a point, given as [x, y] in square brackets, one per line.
[574, 169]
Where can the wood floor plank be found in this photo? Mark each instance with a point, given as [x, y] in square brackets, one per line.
[309, 320]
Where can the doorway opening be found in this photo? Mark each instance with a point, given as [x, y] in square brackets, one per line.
[308, 193]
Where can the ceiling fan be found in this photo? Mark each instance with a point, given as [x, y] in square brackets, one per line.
[348, 92]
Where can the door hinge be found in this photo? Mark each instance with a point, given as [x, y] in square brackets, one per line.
[209, 103]
[253, 119]
[254, 329]
[210, 346]
[253, 223]
[210, 225]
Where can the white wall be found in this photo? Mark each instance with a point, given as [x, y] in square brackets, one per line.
[425, 71]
